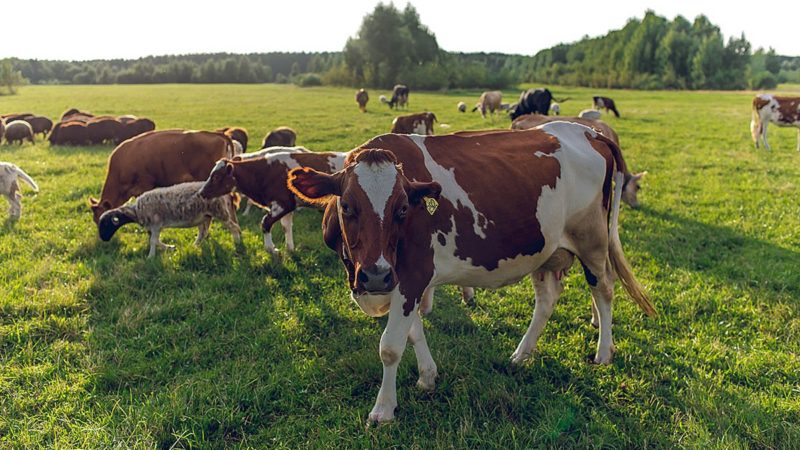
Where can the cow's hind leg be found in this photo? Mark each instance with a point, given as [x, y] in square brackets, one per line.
[548, 287]
[764, 126]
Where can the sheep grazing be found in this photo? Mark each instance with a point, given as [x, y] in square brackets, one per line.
[382, 98]
[9, 187]
[280, 137]
[18, 130]
[462, 107]
[178, 206]
[40, 124]
[555, 108]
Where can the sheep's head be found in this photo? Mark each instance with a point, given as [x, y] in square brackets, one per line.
[111, 221]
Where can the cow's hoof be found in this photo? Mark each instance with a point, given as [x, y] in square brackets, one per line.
[518, 358]
[381, 414]
[427, 380]
[603, 358]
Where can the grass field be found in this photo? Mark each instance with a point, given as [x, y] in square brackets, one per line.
[205, 347]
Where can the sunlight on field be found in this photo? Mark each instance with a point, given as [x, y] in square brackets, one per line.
[208, 347]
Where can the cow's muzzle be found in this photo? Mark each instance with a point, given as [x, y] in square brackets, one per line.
[375, 280]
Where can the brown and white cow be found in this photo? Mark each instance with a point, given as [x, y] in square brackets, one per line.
[362, 97]
[631, 186]
[782, 111]
[262, 177]
[605, 102]
[409, 212]
[420, 123]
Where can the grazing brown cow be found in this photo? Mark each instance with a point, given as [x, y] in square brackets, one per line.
[237, 134]
[104, 129]
[605, 102]
[362, 97]
[782, 111]
[631, 186]
[16, 116]
[263, 180]
[489, 101]
[18, 130]
[525, 206]
[280, 137]
[76, 114]
[421, 123]
[70, 133]
[158, 159]
[135, 128]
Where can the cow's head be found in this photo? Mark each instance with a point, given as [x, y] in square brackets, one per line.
[98, 208]
[371, 205]
[220, 181]
[630, 189]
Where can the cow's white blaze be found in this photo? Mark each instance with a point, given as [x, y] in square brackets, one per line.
[451, 190]
[420, 128]
[377, 181]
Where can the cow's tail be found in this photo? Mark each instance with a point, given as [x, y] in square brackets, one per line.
[618, 261]
[25, 177]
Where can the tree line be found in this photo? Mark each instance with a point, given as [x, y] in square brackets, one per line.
[394, 46]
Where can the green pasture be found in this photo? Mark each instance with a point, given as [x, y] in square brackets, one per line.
[210, 347]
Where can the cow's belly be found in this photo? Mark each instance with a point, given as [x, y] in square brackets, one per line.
[509, 271]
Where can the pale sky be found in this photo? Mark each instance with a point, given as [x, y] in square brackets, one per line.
[106, 29]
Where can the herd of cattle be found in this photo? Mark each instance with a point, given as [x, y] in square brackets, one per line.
[406, 211]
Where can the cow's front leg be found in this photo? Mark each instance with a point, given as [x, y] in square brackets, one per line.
[286, 223]
[393, 343]
[425, 364]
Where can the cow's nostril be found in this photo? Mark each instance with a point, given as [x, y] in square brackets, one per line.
[362, 276]
[388, 278]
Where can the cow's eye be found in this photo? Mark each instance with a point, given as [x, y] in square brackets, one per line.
[347, 210]
[402, 212]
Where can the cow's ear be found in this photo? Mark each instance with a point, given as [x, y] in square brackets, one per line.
[639, 175]
[313, 186]
[93, 201]
[418, 190]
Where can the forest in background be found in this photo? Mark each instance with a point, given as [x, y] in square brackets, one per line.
[393, 46]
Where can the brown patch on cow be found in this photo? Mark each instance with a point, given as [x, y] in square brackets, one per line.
[389, 357]
[789, 108]
[759, 102]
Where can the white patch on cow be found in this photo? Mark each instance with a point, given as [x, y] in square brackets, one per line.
[377, 181]
[451, 190]
[382, 263]
[218, 166]
[275, 209]
[420, 128]
[336, 161]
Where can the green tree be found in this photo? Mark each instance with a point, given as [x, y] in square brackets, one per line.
[10, 78]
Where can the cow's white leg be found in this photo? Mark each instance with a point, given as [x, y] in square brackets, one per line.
[268, 244]
[425, 364]
[595, 316]
[286, 223]
[393, 343]
[764, 135]
[602, 295]
[548, 288]
[426, 305]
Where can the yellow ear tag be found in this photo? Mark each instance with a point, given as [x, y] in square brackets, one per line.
[431, 204]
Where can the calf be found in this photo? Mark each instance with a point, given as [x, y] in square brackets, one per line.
[605, 102]
[263, 181]
[69, 133]
[158, 159]
[9, 187]
[489, 101]
[399, 96]
[280, 137]
[399, 233]
[362, 97]
[420, 123]
[178, 206]
[631, 185]
[782, 111]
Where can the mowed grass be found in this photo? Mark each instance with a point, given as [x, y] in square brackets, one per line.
[207, 347]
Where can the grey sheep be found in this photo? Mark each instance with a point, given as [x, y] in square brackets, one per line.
[19, 130]
[178, 206]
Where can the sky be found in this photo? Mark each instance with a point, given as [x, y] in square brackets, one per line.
[106, 29]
